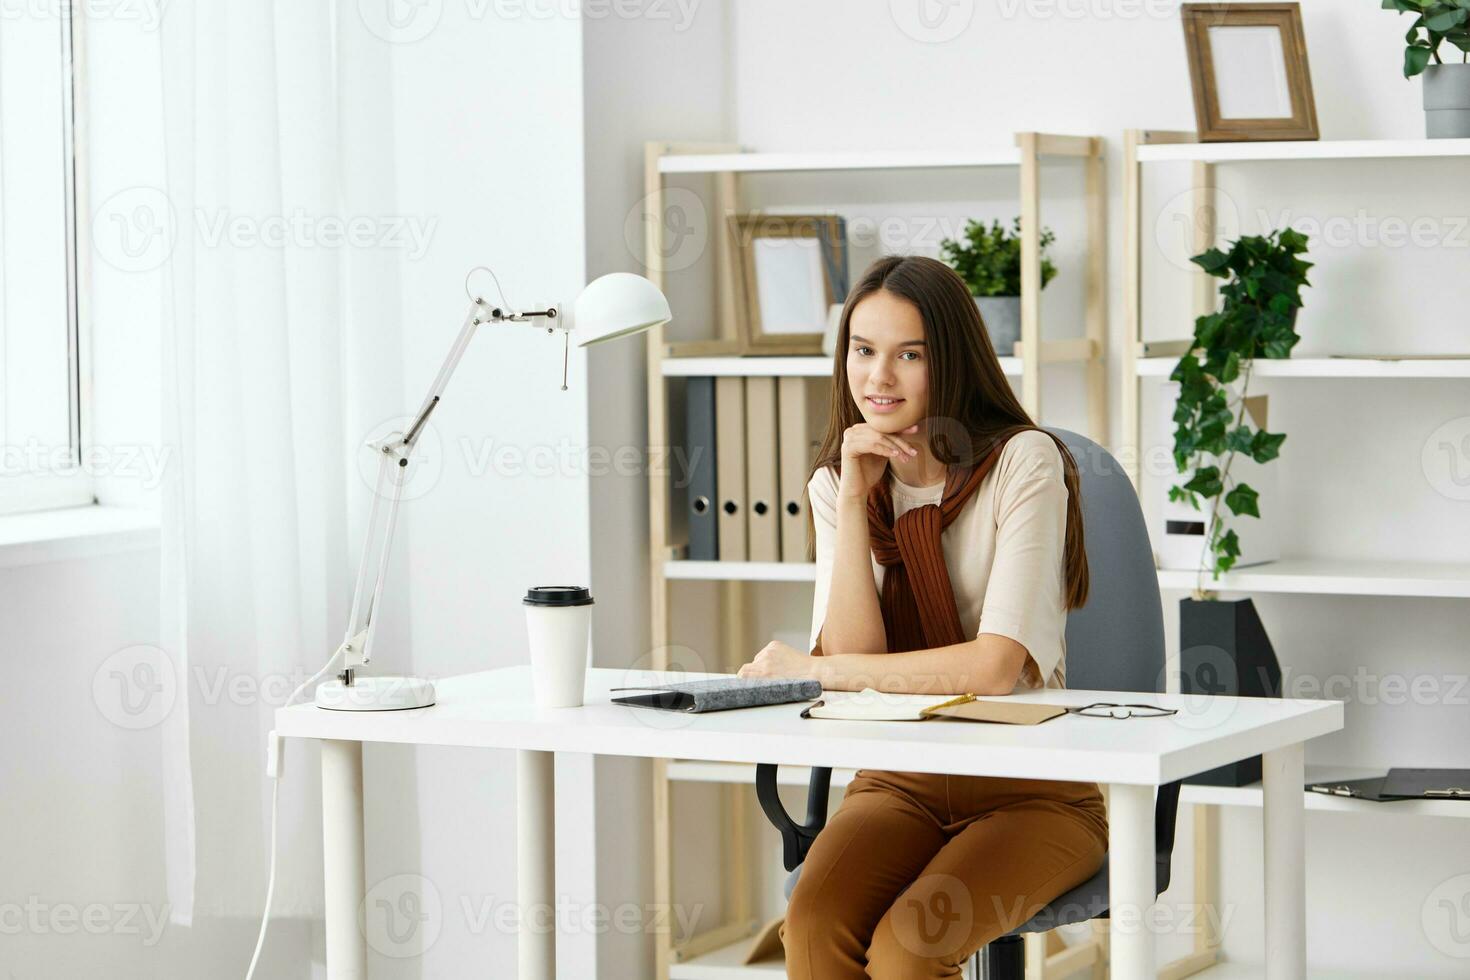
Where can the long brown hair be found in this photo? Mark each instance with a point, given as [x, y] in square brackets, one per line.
[972, 408]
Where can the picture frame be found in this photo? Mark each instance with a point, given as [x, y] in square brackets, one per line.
[1248, 68]
[788, 271]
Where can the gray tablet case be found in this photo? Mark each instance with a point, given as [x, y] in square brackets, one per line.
[721, 693]
[1427, 783]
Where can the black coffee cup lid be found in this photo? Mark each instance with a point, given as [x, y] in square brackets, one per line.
[558, 595]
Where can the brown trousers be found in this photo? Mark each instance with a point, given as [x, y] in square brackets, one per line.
[915, 872]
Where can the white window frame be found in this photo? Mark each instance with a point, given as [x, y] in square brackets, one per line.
[72, 485]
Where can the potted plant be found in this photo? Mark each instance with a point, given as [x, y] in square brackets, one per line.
[1223, 646]
[988, 259]
[1446, 86]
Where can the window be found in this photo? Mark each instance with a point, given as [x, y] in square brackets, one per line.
[41, 340]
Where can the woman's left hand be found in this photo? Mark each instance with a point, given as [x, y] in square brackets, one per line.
[776, 659]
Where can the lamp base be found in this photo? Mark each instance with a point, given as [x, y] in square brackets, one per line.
[376, 694]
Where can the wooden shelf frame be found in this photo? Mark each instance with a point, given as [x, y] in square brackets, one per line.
[726, 163]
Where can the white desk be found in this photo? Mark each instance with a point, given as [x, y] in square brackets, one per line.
[494, 709]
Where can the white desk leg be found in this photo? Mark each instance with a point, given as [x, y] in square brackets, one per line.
[536, 863]
[1283, 780]
[343, 865]
[1131, 880]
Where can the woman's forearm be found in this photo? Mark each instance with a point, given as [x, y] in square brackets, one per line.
[854, 618]
[988, 664]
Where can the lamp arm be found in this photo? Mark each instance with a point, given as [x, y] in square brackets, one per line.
[394, 451]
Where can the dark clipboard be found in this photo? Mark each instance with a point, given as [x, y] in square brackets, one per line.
[1427, 784]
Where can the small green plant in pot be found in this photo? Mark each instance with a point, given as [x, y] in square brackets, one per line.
[988, 259]
[1223, 645]
[1446, 85]
[1257, 318]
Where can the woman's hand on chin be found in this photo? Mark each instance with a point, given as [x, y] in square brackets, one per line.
[776, 659]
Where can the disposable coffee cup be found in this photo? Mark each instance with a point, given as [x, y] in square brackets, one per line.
[558, 623]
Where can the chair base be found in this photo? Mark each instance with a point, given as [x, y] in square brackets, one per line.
[1003, 959]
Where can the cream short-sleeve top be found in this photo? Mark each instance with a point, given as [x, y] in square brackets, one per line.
[1004, 552]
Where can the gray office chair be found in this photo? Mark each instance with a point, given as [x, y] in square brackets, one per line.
[1114, 642]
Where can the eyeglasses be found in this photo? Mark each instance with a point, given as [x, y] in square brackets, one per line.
[1102, 709]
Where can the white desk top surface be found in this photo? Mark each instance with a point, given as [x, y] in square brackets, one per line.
[494, 709]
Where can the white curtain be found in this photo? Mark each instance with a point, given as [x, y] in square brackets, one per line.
[266, 402]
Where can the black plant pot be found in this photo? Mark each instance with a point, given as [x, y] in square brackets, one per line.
[1223, 649]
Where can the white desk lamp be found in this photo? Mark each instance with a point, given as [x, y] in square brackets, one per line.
[616, 305]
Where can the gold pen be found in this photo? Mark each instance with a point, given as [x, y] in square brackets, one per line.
[962, 699]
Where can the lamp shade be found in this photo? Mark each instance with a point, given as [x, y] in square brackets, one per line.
[617, 305]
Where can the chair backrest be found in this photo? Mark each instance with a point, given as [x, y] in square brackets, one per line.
[1116, 641]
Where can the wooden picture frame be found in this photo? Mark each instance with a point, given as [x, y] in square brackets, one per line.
[1249, 103]
[798, 263]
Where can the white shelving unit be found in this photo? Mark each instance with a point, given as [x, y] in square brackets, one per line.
[1332, 367]
[1250, 795]
[1154, 147]
[1300, 576]
[765, 367]
[739, 772]
[749, 163]
[742, 571]
[715, 953]
[725, 963]
[1316, 576]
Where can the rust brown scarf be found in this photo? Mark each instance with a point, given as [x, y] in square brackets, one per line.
[918, 605]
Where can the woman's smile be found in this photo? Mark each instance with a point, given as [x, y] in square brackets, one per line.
[883, 404]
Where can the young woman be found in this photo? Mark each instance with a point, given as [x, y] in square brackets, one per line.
[949, 547]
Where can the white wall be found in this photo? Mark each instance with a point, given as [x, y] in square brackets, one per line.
[627, 64]
[486, 143]
[844, 74]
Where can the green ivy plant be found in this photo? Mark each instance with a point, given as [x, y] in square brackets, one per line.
[989, 259]
[1435, 21]
[1257, 318]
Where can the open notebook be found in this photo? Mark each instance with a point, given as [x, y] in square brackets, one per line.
[871, 705]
